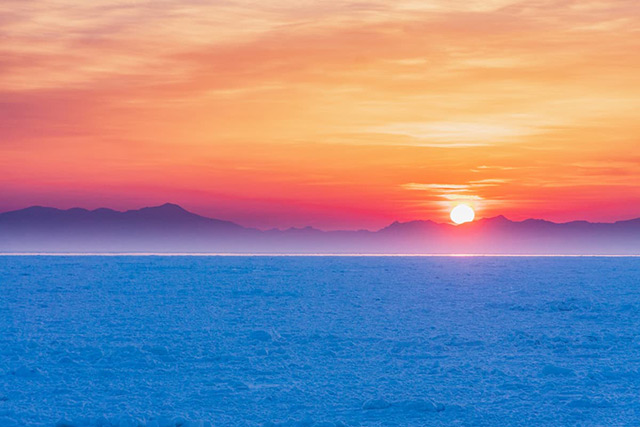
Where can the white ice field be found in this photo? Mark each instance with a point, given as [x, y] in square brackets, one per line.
[319, 341]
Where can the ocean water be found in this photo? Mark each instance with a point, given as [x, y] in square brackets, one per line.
[319, 341]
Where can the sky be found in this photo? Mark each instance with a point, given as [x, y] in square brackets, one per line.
[336, 114]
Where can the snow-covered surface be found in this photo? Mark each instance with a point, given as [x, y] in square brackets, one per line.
[322, 341]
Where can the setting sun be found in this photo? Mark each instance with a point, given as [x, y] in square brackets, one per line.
[462, 213]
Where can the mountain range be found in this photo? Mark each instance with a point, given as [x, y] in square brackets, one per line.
[171, 229]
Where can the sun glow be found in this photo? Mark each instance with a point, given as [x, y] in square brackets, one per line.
[462, 213]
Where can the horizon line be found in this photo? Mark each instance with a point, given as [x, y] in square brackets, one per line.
[312, 227]
[248, 254]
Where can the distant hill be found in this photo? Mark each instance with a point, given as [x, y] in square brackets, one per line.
[170, 228]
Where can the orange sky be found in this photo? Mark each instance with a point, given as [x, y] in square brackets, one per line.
[336, 114]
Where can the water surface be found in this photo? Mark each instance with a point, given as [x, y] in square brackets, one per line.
[344, 340]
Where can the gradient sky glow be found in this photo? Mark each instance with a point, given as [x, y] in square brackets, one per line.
[336, 114]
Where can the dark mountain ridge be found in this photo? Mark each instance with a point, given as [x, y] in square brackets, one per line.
[170, 228]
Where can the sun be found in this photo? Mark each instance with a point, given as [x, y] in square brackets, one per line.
[462, 213]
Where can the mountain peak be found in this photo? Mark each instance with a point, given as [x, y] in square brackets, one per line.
[410, 225]
[169, 206]
[167, 209]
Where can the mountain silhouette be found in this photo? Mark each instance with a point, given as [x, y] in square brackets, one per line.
[170, 228]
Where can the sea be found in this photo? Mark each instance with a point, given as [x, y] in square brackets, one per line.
[158, 341]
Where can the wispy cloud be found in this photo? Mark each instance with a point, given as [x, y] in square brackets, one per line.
[470, 133]
[447, 187]
[470, 186]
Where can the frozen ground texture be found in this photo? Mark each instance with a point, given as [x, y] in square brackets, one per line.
[319, 341]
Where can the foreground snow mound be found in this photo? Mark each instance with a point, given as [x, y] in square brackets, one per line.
[422, 406]
[305, 422]
[128, 421]
[419, 405]
[376, 404]
[557, 371]
[25, 372]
